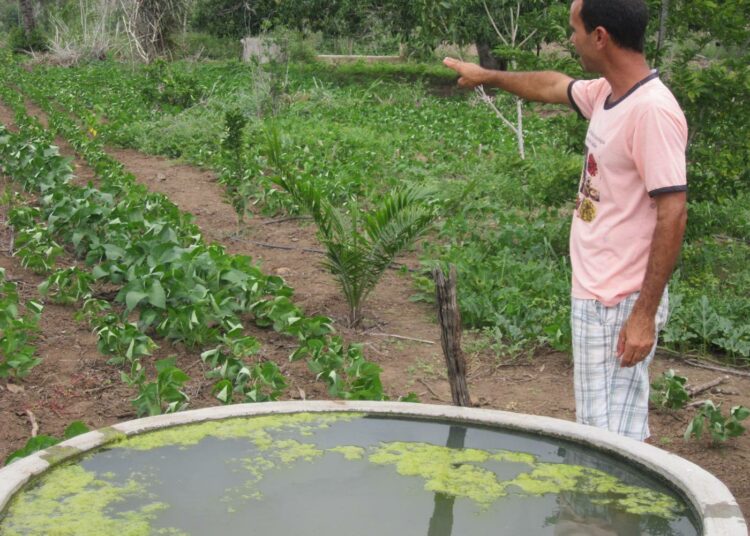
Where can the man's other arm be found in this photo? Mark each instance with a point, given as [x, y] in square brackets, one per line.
[541, 86]
[639, 333]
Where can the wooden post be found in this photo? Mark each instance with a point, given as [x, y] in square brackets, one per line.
[450, 334]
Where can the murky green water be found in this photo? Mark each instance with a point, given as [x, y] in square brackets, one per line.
[345, 474]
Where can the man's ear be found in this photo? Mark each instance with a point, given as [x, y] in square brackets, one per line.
[601, 37]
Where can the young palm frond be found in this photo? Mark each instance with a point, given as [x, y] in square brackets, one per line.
[359, 245]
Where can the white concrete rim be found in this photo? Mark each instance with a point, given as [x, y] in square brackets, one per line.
[709, 497]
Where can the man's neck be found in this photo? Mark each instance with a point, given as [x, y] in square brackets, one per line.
[624, 71]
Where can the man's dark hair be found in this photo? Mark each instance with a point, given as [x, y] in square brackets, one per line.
[625, 20]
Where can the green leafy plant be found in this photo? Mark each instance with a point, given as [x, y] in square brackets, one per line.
[359, 245]
[348, 374]
[37, 249]
[668, 391]
[169, 86]
[165, 395]
[67, 286]
[42, 442]
[121, 340]
[720, 426]
[17, 331]
[20, 40]
[237, 379]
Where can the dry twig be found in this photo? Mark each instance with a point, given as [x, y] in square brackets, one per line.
[717, 368]
[430, 389]
[34, 425]
[403, 337]
[282, 220]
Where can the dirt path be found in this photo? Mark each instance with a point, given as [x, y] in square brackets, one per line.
[69, 384]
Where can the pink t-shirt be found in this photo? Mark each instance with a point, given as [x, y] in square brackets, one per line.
[635, 149]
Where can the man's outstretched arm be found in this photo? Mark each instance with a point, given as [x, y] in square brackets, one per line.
[541, 86]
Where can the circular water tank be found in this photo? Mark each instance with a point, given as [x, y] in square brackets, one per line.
[359, 468]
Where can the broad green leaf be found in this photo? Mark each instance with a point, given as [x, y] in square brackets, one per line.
[113, 252]
[157, 296]
[98, 272]
[34, 444]
[133, 298]
[74, 429]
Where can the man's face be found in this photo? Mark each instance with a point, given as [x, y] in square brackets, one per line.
[581, 40]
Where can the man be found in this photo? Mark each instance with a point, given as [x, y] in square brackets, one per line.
[630, 212]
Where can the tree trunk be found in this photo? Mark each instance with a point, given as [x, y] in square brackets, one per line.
[27, 12]
[488, 60]
[663, 16]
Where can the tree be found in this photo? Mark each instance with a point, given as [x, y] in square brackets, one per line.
[466, 22]
[150, 24]
[706, 63]
[239, 18]
[27, 14]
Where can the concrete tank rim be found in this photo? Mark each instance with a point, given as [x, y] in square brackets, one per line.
[711, 499]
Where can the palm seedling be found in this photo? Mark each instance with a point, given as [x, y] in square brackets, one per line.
[359, 246]
[233, 175]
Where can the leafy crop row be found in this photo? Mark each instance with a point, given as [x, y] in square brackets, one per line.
[181, 288]
[18, 326]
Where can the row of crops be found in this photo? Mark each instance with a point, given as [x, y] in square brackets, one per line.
[359, 132]
[170, 285]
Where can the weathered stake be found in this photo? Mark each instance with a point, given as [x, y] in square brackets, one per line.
[450, 334]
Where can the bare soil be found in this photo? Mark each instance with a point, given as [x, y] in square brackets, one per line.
[75, 383]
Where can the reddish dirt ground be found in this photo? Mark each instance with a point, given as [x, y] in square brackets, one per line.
[75, 383]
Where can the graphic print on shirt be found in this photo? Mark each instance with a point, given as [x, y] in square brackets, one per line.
[588, 193]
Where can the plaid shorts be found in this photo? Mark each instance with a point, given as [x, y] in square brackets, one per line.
[607, 395]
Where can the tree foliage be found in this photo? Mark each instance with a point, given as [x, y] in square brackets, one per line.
[708, 71]
[238, 18]
[424, 24]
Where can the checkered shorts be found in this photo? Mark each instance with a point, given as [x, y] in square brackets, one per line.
[607, 395]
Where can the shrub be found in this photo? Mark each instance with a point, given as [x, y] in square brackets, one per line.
[20, 40]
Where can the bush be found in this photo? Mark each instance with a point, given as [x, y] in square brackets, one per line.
[21, 41]
[207, 46]
[297, 45]
[171, 85]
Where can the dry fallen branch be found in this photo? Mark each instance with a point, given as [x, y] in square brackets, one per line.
[706, 386]
[717, 368]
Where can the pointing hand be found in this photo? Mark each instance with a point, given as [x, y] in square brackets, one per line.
[470, 74]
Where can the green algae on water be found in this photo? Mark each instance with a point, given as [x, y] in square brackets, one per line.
[71, 501]
[277, 453]
[349, 452]
[458, 473]
[445, 470]
[253, 428]
[604, 488]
